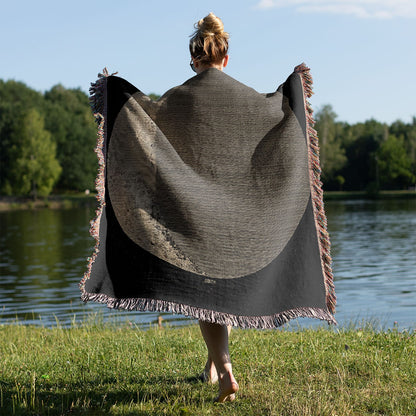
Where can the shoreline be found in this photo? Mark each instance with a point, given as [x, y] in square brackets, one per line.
[61, 201]
[68, 201]
[348, 195]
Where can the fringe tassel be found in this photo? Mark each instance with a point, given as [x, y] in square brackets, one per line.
[258, 322]
[98, 107]
[97, 93]
[316, 189]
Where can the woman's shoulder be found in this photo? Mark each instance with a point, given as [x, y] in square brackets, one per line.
[217, 82]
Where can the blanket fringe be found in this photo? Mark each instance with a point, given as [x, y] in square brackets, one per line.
[97, 92]
[98, 104]
[257, 322]
[316, 189]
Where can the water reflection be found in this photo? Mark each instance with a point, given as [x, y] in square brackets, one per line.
[374, 252]
[43, 257]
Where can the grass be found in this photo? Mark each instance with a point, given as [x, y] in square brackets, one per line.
[103, 369]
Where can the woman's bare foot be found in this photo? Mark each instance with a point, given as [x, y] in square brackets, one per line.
[216, 338]
[209, 374]
[228, 388]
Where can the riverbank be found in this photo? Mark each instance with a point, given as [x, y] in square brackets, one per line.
[341, 195]
[67, 201]
[64, 201]
[99, 369]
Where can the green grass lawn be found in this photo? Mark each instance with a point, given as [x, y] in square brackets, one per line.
[104, 369]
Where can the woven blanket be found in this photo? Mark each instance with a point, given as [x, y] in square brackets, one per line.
[210, 202]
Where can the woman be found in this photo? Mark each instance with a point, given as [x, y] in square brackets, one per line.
[211, 203]
[209, 49]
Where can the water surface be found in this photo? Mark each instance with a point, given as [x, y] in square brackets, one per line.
[43, 257]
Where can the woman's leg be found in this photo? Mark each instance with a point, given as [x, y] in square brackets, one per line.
[216, 339]
[210, 372]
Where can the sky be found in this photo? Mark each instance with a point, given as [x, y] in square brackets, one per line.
[361, 53]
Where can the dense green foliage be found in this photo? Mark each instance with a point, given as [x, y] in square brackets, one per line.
[33, 165]
[369, 156]
[69, 119]
[60, 126]
[101, 369]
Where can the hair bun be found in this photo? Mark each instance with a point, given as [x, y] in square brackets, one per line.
[210, 25]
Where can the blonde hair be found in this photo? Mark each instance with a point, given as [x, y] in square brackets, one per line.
[209, 42]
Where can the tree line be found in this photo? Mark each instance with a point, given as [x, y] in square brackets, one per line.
[47, 142]
[368, 156]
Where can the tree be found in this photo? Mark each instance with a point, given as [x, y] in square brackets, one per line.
[362, 141]
[68, 117]
[154, 96]
[34, 166]
[394, 164]
[332, 154]
[408, 133]
[15, 99]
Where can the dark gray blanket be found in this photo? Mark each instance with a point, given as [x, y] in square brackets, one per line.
[211, 204]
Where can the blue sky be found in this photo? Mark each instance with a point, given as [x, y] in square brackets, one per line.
[361, 52]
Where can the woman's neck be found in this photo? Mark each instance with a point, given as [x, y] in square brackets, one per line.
[202, 68]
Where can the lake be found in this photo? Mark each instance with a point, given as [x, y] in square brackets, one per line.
[43, 257]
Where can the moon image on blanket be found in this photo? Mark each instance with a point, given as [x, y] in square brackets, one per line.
[213, 180]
